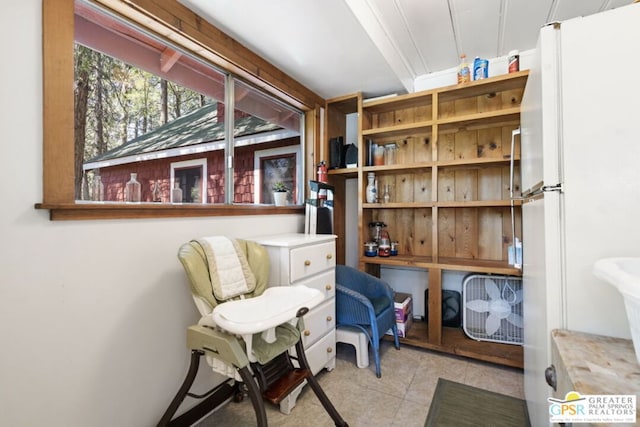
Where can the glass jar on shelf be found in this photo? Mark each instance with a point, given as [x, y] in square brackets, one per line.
[390, 151]
[386, 195]
[384, 246]
[376, 229]
[156, 192]
[378, 155]
[176, 193]
[133, 189]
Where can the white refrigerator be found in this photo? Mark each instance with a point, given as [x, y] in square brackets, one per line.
[580, 167]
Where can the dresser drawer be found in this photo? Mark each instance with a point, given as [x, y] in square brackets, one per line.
[308, 260]
[322, 354]
[324, 282]
[318, 322]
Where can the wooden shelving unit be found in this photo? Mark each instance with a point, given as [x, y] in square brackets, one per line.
[454, 341]
[450, 207]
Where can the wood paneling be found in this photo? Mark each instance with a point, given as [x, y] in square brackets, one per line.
[58, 128]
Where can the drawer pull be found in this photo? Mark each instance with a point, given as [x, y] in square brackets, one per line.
[329, 350]
[329, 256]
[307, 332]
[329, 318]
[307, 263]
[328, 287]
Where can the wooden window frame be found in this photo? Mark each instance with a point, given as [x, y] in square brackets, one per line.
[200, 164]
[182, 26]
[259, 173]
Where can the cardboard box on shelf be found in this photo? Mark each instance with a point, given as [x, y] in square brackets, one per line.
[403, 327]
[403, 304]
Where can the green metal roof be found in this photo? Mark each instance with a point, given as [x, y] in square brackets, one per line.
[197, 127]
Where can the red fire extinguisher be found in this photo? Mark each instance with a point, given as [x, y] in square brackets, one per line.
[322, 172]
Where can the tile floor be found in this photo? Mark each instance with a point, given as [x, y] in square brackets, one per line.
[400, 398]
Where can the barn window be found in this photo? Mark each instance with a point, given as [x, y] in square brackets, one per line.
[187, 181]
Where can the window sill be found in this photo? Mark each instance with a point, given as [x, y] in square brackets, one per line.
[93, 211]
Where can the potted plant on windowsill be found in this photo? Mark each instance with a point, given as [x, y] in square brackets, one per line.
[279, 193]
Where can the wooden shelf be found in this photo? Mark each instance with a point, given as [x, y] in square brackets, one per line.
[446, 263]
[450, 204]
[478, 203]
[346, 172]
[478, 266]
[401, 261]
[450, 188]
[398, 205]
[482, 120]
[398, 167]
[475, 163]
[399, 131]
[485, 87]
[454, 341]
[400, 102]
[346, 104]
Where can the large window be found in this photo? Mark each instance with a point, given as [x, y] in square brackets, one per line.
[143, 105]
[274, 138]
[139, 103]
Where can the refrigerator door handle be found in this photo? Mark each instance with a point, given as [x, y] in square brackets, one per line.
[512, 161]
[511, 181]
[558, 187]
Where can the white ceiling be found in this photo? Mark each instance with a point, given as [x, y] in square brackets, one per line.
[338, 47]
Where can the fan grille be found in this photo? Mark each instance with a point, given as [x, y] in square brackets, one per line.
[475, 321]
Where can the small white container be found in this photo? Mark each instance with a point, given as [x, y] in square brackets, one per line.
[624, 275]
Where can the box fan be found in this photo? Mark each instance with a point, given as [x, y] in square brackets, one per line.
[493, 308]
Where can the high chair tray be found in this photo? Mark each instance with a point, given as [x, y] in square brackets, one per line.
[274, 307]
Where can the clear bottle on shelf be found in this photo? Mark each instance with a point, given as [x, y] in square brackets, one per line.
[133, 189]
[156, 193]
[176, 193]
[390, 154]
[464, 72]
[386, 196]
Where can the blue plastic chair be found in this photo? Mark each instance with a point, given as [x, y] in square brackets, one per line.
[365, 302]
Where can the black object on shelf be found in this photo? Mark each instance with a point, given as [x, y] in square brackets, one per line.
[368, 161]
[451, 308]
[351, 156]
[336, 152]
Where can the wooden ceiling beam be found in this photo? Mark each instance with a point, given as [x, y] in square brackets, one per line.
[168, 58]
[197, 35]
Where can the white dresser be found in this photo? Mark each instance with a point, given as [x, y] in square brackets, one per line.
[308, 259]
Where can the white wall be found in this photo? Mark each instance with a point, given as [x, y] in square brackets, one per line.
[92, 313]
[497, 66]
